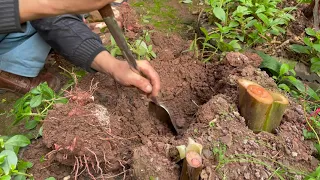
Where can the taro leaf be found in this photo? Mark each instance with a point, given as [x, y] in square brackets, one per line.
[6, 177]
[284, 69]
[311, 32]
[220, 13]
[300, 49]
[10, 161]
[35, 101]
[31, 124]
[18, 141]
[270, 63]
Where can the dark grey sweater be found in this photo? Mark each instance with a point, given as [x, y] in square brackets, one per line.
[67, 34]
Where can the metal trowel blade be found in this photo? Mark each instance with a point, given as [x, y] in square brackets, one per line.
[162, 114]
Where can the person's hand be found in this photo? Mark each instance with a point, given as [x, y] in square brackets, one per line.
[121, 71]
[34, 9]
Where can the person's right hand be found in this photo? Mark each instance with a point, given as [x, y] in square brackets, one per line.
[35, 9]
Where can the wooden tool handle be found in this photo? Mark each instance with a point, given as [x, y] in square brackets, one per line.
[106, 11]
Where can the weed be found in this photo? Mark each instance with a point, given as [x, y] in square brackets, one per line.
[139, 47]
[244, 23]
[311, 48]
[10, 166]
[33, 106]
[284, 76]
[159, 13]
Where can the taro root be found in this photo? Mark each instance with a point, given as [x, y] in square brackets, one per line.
[262, 109]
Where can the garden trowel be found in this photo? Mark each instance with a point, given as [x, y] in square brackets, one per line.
[155, 108]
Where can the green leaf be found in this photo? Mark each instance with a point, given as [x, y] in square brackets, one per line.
[284, 87]
[6, 177]
[233, 24]
[302, 88]
[47, 92]
[51, 178]
[219, 13]
[2, 158]
[20, 177]
[10, 161]
[316, 47]
[62, 101]
[284, 69]
[307, 41]
[235, 45]
[264, 18]
[308, 134]
[18, 141]
[36, 101]
[311, 32]
[315, 67]
[300, 49]
[270, 63]
[31, 124]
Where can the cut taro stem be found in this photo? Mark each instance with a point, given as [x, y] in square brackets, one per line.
[192, 166]
[243, 85]
[257, 104]
[277, 110]
[262, 110]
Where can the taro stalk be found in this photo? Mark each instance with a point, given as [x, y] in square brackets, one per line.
[192, 164]
[262, 109]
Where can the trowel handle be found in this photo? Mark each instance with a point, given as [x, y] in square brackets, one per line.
[106, 11]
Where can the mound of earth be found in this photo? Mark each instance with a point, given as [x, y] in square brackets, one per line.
[116, 133]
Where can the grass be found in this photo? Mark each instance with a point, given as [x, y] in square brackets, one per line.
[159, 13]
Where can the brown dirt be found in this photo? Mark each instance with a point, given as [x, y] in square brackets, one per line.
[196, 94]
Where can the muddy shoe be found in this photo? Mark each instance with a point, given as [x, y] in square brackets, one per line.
[19, 84]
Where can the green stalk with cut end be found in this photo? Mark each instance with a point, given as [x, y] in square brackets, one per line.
[263, 110]
[257, 102]
[277, 110]
[192, 166]
[243, 85]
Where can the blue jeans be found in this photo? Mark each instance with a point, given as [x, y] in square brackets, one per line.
[23, 54]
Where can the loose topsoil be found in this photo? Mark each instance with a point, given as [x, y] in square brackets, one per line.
[112, 134]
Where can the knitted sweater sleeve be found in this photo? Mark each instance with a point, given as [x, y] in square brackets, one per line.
[9, 16]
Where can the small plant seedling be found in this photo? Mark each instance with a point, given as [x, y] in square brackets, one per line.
[212, 123]
[10, 166]
[33, 106]
[139, 47]
[242, 24]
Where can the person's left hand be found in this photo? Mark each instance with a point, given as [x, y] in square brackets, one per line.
[122, 72]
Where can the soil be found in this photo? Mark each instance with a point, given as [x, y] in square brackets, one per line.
[115, 128]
